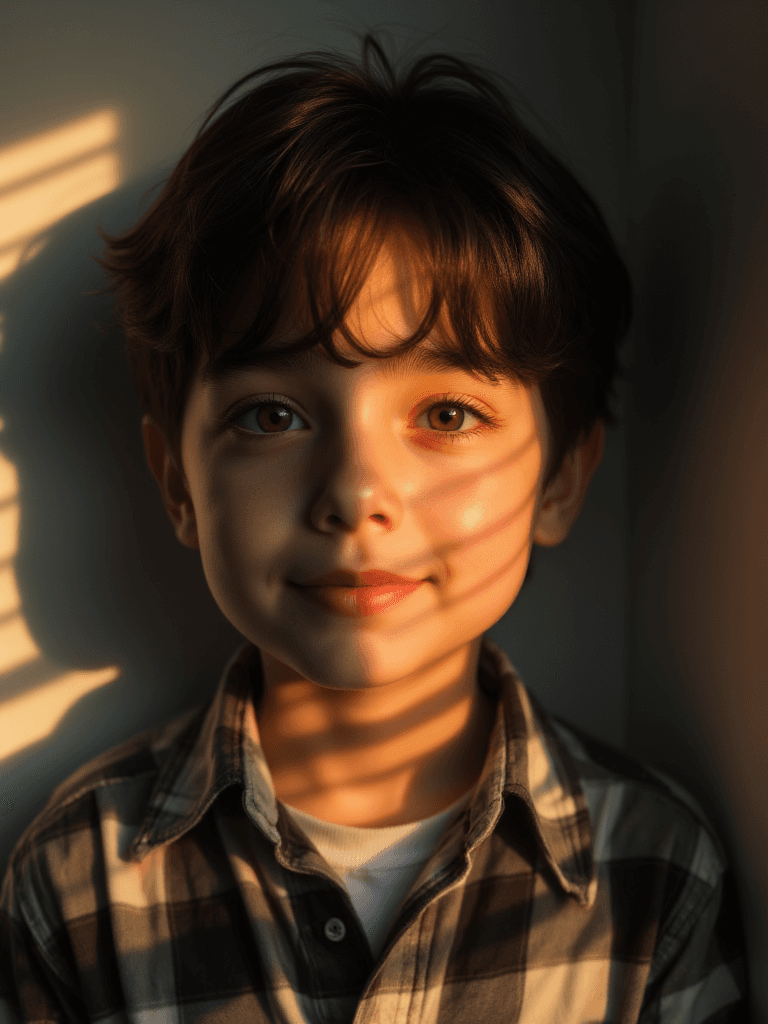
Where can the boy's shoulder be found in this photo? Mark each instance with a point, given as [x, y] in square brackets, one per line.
[637, 810]
[132, 767]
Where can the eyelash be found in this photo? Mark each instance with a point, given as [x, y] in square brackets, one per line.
[467, 405]
[247, 404]
[453, 401]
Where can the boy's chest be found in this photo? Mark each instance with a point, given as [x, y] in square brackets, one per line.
[464, 958]
[249, 939]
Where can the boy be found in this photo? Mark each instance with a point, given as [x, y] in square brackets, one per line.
[373, 324]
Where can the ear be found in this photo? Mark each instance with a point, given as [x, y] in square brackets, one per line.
[171, 481]
[562, 499]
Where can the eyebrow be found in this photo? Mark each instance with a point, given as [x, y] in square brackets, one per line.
[393, 367]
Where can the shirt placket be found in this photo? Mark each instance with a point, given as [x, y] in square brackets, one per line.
[333, 944]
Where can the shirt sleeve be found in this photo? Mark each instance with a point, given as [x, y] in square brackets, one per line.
[703, 978]
[33, 984]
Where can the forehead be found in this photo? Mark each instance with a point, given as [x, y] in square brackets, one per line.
[393, 290]
[387, 310]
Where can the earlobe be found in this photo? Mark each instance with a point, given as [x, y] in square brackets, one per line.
[564, 496]
[171, 483]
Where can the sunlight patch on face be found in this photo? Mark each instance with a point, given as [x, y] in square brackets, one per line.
[472, 517]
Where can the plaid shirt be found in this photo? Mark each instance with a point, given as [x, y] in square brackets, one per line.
[163, 883]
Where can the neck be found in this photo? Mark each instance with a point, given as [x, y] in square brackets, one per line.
[388, 755]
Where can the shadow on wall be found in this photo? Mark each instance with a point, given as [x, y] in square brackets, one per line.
[106, 623]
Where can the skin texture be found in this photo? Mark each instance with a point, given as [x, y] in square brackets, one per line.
[375, 720]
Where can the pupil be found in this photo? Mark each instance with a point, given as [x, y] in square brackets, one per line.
[273, 416]
[450, 416]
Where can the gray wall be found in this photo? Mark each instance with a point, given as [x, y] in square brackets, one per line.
[697, 450]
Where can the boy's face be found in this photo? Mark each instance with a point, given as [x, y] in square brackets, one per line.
[424, 471]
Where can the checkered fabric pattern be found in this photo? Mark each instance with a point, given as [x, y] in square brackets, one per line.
[164, 884]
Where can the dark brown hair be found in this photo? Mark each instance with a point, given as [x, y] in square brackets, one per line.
[317, 161]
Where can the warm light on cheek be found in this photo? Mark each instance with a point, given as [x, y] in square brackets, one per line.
[473, 517]
[482, 514]
[500, 495]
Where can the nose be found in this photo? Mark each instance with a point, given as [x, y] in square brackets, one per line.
[357, 489]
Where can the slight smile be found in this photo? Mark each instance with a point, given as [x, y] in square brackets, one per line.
[356, 595]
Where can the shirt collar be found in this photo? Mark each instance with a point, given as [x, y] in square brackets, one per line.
[526, 764]
[529, 765]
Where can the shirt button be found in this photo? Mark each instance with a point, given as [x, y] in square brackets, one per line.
[335, 929]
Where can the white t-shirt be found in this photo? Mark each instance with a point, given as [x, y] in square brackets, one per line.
[378, 865]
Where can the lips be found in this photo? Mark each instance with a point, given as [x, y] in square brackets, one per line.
[358, 594]
[369, 578]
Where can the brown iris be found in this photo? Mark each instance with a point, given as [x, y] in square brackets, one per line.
[446, 417]
[273, 418]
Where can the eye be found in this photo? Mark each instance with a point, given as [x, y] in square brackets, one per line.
[454, 416]
[267, 417]
[447, 417]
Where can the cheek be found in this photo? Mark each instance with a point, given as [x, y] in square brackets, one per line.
[481, 533]
[483, 519]
[248, 518]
